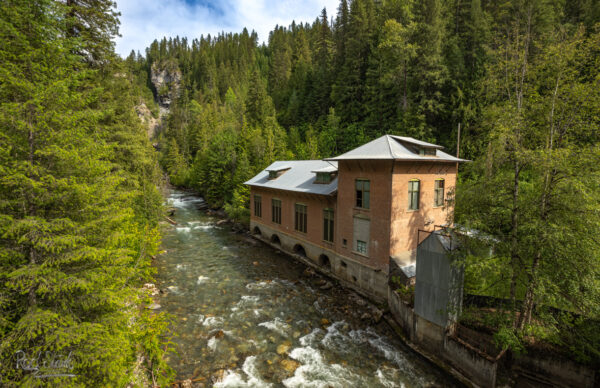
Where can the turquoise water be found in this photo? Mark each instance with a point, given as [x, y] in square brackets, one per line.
[247, 315]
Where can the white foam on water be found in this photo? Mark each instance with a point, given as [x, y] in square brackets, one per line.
[277, 325]
[318, 308]
[316, 373]
[259, 285]
[212, 321]
[180, 267]
[387, 381]
[387, 350]
[203, 227]
[312, 338]
[183, 229]
[253, 379]
[202, 279]
[335, 339]
[212, 343]
[174, 289]
[285, 283]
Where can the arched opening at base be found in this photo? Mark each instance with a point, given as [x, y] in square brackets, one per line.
[275, 240]
[324, 262]
[256, 231]
[299, 250]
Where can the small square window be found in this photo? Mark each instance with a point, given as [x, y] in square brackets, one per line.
[361, 247]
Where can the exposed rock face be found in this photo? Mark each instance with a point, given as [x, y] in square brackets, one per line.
[152, 124]
[166, 78]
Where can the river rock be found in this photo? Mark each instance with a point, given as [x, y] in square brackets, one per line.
[218, 376]
[326, 286]
[325, 322]
[154, 306]
[186, 384]
[377, 315]
[284, 347]
[365, 316]
[217, 334]
[290, 366]
[309, 272]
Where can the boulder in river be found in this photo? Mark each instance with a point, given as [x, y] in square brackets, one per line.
[326, 286]
[290, 366]
[284, 347]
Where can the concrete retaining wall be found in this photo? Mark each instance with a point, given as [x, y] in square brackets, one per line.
[403, 314]
[478, 368]
[372, 282]
[434, 342]
[561, 372]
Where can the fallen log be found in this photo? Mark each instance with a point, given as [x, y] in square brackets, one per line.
[171, 221]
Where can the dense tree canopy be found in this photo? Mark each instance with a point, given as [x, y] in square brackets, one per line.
[79, 204]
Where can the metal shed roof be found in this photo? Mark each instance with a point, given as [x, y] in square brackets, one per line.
[300, 177]
[390, 147]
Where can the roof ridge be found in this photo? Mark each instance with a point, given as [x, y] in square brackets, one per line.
[390, 146]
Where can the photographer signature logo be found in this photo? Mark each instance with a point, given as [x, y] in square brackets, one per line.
[45, 364]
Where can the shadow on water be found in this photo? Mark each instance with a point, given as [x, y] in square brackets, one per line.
[248, 315]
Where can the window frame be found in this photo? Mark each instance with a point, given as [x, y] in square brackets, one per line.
[300, 223]
[364, 199]
[411, 193]
[276, 211]
[257, 209]
[364, 251]
[437, 201]
[328, 224]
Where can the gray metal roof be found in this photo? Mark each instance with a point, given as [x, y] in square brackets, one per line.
[300, 177]
[329, 168]
[409, 270]
[390, 147]
[411, 140]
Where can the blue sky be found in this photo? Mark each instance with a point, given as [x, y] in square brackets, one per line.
[142, 21]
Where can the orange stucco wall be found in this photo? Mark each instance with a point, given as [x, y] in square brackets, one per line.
[405, 223]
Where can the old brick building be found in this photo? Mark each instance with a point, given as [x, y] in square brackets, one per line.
[351, 214]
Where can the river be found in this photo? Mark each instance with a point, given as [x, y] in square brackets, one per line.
[246, 315]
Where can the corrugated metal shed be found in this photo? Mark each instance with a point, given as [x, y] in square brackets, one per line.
[439, 281]
[300, 177]
[390, 147]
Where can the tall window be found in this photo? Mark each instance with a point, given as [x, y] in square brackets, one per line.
[257, 205]
[276, 211]
[413, 194]
[300, 218]
[328, 225]
[363, 193]
[439, 192]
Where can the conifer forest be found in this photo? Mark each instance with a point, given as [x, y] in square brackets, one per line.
[80, 177]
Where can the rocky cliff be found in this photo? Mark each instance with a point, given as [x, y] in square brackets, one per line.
[166, 79]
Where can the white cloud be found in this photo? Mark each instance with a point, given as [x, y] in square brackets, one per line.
[142, 21]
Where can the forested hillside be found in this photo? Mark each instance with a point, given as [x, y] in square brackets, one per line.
[79, 203]
[521, 77]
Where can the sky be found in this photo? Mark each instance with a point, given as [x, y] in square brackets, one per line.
[142, 21]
